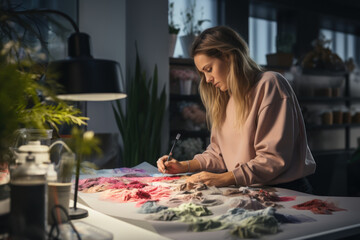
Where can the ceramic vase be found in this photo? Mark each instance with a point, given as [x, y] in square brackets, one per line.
[172, 44]
[185, 87]
[186, 42]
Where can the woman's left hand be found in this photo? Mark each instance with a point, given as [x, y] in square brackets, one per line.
[213, 179]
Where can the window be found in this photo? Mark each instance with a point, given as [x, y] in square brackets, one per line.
[262, 39]
[343, 44]
[204, 9]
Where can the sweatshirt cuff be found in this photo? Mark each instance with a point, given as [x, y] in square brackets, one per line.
[240, 176]
[236, 182]
[201, 161]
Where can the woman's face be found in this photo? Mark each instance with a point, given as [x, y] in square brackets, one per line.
[214, 69]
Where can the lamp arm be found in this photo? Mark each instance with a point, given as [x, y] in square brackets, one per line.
[64, 15]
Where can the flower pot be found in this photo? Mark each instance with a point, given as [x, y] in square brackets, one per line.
[172, 44]
[185, 87]
[279, 59]
[186, 42]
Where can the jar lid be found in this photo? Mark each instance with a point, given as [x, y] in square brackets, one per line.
[34, 146]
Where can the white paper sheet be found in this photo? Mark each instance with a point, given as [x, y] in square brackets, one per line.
[348, 220]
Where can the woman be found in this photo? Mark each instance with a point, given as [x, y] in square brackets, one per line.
[257, 131]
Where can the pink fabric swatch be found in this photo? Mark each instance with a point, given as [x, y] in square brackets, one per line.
[131, 185]
[153, 179]
[155, 193]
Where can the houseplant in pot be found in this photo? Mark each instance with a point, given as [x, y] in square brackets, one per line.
[16, 111]
[29, 109]
[191, 27]
[140, 122]
[283, 56]
[173, 30]
[23, 91]
[27, 98]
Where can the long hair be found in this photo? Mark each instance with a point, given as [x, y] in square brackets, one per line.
[224, 43]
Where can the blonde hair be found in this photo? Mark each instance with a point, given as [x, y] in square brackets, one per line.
[224, 43]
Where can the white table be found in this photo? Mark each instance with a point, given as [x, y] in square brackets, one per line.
[339, 224]
[118, 228]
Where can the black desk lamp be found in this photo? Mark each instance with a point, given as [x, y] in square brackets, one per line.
[84, 78]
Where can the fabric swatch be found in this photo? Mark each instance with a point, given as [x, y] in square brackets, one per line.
[131, 185]
[192, 197]
[287, 218]
[186, 212]
[190, 186]
[243, 223]
[256, 226]
[318, 206]
[248, 204]
[202, 225]
[140, 196]
[238, 214]
[151, 207]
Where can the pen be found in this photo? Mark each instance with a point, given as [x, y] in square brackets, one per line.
[176, 139]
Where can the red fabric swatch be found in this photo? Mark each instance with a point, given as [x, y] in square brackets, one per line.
[318, 206]
[287, 199]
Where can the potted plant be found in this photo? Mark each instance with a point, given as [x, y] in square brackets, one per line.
[141, 121]
[173, 30]
[24, 107]
[24, 93]
[183, 78]
[283, 56]
[191, 27]
[322, 58]
[12, 87]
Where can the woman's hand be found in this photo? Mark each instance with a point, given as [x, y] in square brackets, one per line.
[213, 179]
[172, 166]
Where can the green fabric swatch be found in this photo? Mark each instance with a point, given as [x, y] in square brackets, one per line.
[255, 227]
[186, 212]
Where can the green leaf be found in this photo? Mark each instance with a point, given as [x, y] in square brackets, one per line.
[140, 126]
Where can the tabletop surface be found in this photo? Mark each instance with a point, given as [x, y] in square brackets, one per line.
[322, 226]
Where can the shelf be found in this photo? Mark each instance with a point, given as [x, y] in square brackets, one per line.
[308, 71]
[323, 72]
[354, 99]
[179, 97]
[332, 152]
[190, 133]
[332, 126]
[181, 61]
[327, 99]
[269, 68]
[203, 134]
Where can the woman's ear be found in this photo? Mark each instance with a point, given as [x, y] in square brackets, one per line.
[227, 57]
[227, 60]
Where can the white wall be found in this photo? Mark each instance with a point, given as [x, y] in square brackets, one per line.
[105, 22]
[147, 24]
[114, 26]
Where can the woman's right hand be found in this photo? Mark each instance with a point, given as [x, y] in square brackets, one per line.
[172, 166]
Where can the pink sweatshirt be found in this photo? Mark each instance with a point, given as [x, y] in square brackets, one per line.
[271, 147]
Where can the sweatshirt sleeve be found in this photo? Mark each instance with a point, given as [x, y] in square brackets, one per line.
[211, 159]
[274, 141]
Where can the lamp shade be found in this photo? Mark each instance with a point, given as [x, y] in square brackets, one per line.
[85, 78]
